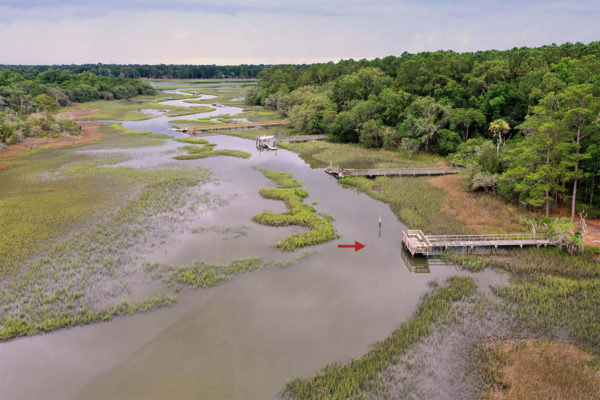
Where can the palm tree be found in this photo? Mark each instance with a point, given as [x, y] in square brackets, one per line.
[498, 128]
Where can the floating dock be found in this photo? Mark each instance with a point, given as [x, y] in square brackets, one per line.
[344, 172]
[416, 242]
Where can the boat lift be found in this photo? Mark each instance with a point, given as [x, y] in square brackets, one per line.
[266, 142]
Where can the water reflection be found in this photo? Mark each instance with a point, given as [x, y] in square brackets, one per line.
[422, 265]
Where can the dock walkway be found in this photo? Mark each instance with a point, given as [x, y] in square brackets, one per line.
[300, 138]
[241, 125]
[344, 172]
[416, 242]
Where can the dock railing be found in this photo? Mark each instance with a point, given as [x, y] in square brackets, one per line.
[418, 243]
[398, 171]
[433, 239]
[344, 172]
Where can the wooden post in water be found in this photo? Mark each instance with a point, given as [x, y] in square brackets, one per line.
[380, 225]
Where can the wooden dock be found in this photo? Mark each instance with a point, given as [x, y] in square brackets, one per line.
[344, 172]
[300, 138]
[241, 125]
[418, 243]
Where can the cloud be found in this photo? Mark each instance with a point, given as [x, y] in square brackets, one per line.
[267, 31]
[227, 7]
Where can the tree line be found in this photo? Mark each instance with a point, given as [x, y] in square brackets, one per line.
[160, 71]
[525, 121]
[28, 101]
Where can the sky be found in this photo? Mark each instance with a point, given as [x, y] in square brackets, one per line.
[229, 32]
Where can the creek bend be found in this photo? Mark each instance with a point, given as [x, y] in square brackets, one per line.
[246, 337]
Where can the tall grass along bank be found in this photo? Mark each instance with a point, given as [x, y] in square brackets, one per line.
[344, 381]
[551, 293]
[206, 150]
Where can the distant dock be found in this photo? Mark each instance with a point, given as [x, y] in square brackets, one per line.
[300, 138]
[344, 172]
[241, 125]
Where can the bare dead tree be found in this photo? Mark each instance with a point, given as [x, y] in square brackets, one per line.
[583, 229]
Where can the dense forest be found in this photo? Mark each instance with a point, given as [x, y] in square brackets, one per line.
[525, 122]
[28, 101]
[161, 71]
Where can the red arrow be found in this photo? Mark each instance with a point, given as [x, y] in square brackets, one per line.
[357, 245]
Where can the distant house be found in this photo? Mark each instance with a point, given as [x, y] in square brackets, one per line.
[226, 76]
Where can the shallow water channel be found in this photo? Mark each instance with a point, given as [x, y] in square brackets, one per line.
[244, 338]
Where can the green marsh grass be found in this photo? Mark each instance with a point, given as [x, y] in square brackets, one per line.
[197, 149]
[231, 232]
[206, 150]
[351, 380]
[535, 261]
[129, 109]
[290, 191]
[39, 202]
[15, 327]
[200, 274]
[550, 291]
[49, 192]
[69, 222]
[414, 201]
[117, 127]
[547, 304]
[192, 140]
[258, 114]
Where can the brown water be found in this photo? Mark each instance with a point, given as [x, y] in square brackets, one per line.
[245, 338]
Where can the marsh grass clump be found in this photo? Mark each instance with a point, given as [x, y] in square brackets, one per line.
[232, 232]
[206, 150]
[197, 149]
[282, 179]
[290, 191]
[14, 327]
[344, 381]
[202, 274]
[213, 153]
[466, 262]
[118, 127]
[192, 140]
